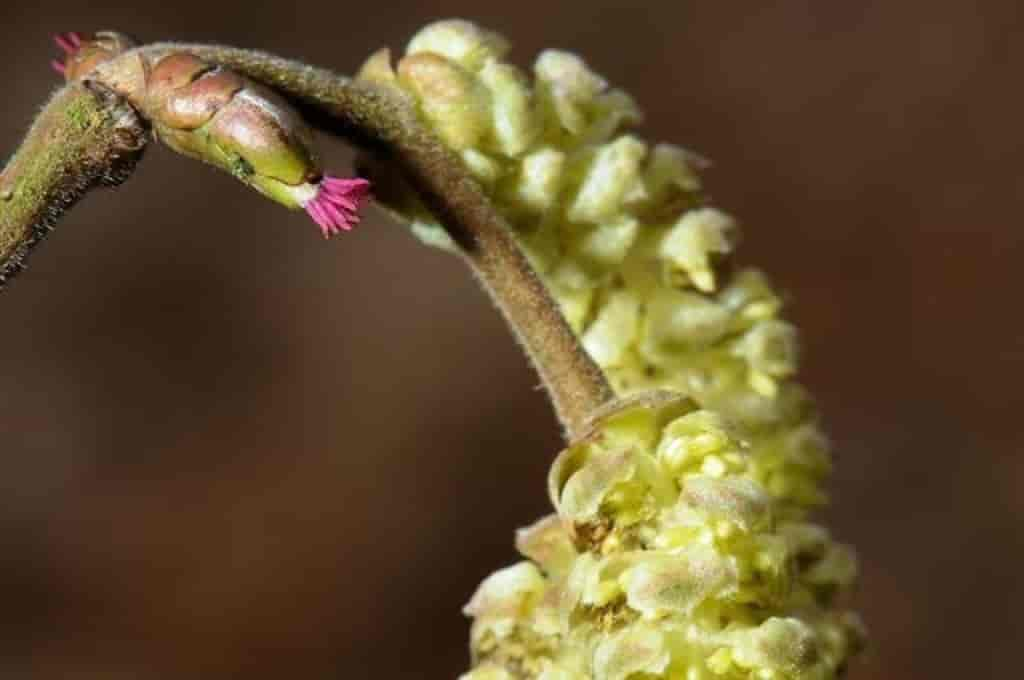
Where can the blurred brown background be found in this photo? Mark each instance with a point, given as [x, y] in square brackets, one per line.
[254, 455]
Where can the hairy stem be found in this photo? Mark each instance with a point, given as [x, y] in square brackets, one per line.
[382, 118]
[84, 137]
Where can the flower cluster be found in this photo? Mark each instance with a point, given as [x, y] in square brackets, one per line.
[621, 234]
[666, 558]
[681, 547]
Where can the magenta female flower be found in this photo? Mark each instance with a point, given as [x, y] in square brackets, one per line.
[336, 204]
[83, 53]
[216, 115]
[69, 43]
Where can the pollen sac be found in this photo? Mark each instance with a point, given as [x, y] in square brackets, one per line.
[668, 558]
[679, 582]
[258, 126]
[637, 651]
[450, 97]
[188, 92]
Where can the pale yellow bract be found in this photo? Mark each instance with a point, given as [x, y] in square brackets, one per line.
[681, 547]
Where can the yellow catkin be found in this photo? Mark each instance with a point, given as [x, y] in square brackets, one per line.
[681, 546]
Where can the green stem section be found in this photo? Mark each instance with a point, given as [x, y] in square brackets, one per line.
[84, 137]
[382, 118]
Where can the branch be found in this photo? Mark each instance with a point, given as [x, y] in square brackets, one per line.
[380, 117]
[84, 137]
[88, 136]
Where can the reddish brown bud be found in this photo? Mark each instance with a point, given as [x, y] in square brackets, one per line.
[218, 116]
[193, 106]
[172, 73]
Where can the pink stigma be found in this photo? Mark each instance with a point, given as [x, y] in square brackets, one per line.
[69, 43]
[335, 208]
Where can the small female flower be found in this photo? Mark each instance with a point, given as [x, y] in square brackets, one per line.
[336, 205]
[69, 43]
[218, 116]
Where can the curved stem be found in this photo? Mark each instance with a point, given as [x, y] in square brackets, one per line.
[85, 136]
[381, 117]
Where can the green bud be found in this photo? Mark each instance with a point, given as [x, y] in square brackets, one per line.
[221, 118]
[783, 647]
[539, 180]
[740, 501]
[612, 334]
[769, 348]
[568, 88]
[612, 174]
[676, 583]
[671, 172]
[513, 125]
